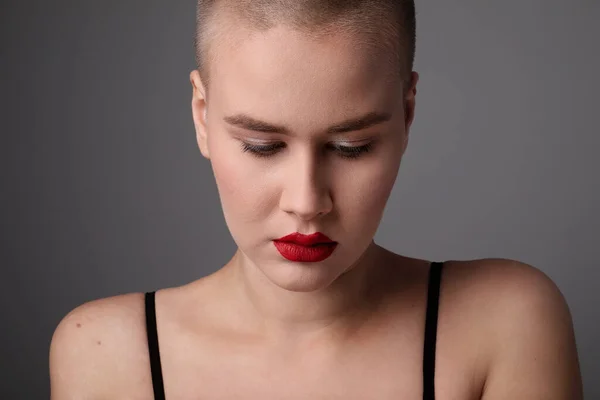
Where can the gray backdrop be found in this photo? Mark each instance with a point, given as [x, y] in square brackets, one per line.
[105, 192]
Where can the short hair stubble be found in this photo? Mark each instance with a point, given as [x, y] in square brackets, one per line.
[387, 25]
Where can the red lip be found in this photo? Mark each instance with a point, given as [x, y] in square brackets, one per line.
[306, 240]
[305, 248]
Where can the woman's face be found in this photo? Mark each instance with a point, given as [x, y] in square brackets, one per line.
[291, 172]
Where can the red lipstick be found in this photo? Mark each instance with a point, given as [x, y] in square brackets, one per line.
[305, 248]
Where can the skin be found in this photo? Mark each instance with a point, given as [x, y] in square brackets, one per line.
[350, 327]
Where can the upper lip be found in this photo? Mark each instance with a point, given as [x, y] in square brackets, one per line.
[306, 240]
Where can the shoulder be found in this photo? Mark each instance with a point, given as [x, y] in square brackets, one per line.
[96, 345]
[505, 296]
[504, 280]
[506, 291]
[526, 323]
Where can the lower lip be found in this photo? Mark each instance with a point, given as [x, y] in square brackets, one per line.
[299, 253]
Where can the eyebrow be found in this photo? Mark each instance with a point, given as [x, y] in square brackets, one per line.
[245, 121]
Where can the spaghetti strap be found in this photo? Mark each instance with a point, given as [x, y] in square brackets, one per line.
[431, 319]
[430, 339]
[153, 349]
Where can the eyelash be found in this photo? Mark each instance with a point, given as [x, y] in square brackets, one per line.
[350, 152]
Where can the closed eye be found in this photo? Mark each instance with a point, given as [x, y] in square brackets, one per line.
[352, 151]
[269, 150]
[262, 150]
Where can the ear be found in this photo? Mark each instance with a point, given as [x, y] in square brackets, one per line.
[409, 102]
[199, 112]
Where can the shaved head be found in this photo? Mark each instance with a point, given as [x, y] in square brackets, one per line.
[384, 25]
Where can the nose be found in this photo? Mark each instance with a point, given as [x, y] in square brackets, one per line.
[305, 190]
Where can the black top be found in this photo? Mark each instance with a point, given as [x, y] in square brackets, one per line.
[431, 317]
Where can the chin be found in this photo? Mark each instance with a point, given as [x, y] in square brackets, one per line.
[302, 277]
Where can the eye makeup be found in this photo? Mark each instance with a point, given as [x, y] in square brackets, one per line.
[271, 149]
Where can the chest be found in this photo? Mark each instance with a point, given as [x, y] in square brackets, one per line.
[392, 371]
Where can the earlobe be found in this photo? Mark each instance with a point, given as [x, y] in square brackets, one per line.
[404, 142]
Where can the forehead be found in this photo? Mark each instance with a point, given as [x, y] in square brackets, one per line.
[285, 73]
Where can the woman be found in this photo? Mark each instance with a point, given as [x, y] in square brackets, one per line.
[305, 126]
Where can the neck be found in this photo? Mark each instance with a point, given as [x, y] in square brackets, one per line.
[282, 313]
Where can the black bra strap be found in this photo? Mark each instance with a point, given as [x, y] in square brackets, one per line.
[153, 349]
[431, 319]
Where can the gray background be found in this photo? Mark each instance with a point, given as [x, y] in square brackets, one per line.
[105, 192]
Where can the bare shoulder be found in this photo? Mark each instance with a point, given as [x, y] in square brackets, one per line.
[527, 327]
[505, 280]
[506, 292]
[97, 346]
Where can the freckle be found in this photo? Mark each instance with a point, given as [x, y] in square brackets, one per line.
[99, 342]
[78, 325]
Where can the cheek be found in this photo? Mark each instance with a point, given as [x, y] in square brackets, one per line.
[244, 193]
[365, 189]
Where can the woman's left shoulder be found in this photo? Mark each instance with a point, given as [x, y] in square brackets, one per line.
[507, 291]
[501, 282]
[526, 323]
[513, 280]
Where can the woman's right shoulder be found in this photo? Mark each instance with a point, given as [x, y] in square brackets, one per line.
[98, 346]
